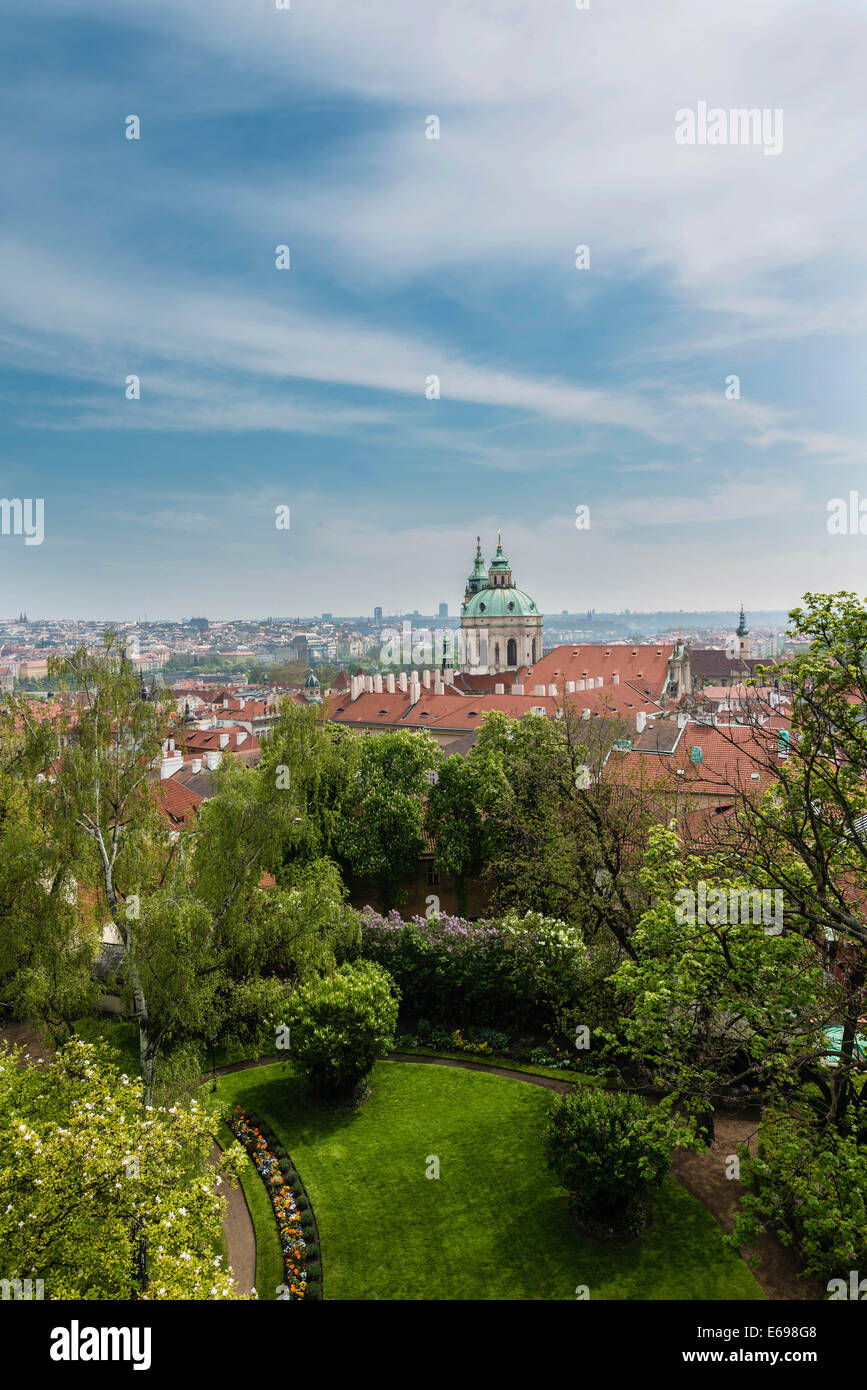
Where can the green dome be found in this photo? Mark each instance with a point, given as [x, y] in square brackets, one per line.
[500, 603]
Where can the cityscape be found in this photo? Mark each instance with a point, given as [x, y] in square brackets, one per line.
[433, 676]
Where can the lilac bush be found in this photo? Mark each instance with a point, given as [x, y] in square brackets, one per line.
[515, 973]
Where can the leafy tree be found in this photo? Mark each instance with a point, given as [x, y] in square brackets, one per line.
[340, 1024]
[85, 1171]
[203, 956]
[807, 836]
[458, 816]
[810, 1189]
[714, 1003]
[380, 833]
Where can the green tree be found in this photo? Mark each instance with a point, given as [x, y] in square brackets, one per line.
[380, 833]
[807, 837]
[713, 999]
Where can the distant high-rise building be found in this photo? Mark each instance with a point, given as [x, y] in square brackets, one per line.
[377, 615]
[444, 610]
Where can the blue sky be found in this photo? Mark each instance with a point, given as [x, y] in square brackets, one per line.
[412, 257]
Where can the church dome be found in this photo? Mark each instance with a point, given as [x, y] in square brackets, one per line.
[311, 682]
[500, 603]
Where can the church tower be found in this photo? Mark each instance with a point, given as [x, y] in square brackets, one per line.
[742, 635]
[501, 627]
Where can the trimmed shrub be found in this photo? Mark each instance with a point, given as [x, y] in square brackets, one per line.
[341, 1024]
[609, 1150]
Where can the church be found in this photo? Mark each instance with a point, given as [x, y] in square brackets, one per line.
[501, 627]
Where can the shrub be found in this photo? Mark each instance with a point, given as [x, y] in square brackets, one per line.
[609, 1151]
[340, 1024]
[810, 1188]
[513, 974]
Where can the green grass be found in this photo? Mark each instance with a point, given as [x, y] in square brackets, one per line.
[528, 1068]
[269, 1257]
[494, 1225]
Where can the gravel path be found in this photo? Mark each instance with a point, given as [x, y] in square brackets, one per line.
[239, 1232]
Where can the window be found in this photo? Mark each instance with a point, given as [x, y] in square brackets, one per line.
[512, 652]
[432, 875]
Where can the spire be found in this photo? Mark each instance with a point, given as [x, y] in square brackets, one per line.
[742, 629]
[500, 565]
[478, 580]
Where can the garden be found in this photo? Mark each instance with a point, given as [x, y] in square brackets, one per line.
[493, 1224]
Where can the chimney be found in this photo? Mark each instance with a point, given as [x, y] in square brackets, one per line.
[389, 684]
[425, 675]
[241, 704]
[402, 681]
[615, 679]
[171, 763]
[225, 703]
[439, 688]
[640, 721]
[212, 759]
[681, 721]
[499, 690]
[224, 739]
[368, 684]
[377, 684]
[517, 689]
[356, 685]
[195, 766]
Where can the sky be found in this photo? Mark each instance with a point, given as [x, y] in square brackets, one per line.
[412, 258]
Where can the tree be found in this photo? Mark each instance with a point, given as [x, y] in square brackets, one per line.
[96, 752]
[47, 944]
[458, 816]
[380, 832]
[340, 1024]
[711, 997]
[203, 954]
[807, 837]
[810, 1188]
[85, 1170]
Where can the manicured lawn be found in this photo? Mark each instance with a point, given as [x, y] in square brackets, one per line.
[494, 1224]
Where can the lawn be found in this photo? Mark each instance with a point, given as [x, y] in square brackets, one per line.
[494, 1225]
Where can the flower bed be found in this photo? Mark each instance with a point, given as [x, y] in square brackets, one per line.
[290, 1203]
